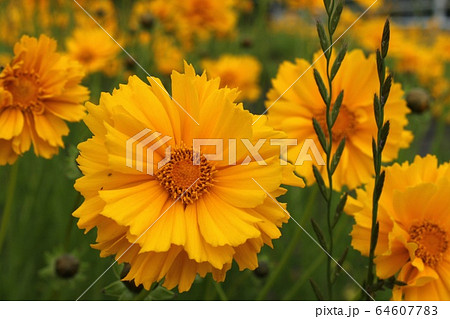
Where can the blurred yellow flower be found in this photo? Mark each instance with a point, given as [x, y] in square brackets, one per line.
[93, 48]
[442, 45]
[39, 89]
[414, 233]
[196, 19]
[166, 55]
[241, 72]
[357, 77]
[313, 5]
[103, 11]
[222, 214]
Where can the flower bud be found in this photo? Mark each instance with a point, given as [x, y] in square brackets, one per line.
[67, 266]
[418, 100]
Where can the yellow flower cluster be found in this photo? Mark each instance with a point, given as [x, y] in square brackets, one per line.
[39, 90]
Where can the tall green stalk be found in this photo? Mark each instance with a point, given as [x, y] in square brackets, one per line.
[273, 277]
[334, 9]
[6, 216]
[377, 149]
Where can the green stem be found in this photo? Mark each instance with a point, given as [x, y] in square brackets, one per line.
[9, 202]
[220, 291]
[312, 267]
[330, 175]
[290, 249]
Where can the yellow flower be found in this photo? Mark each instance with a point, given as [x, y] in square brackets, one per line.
[442, 45]
[241, 72]
[313, 5]
[225, 215]
[357, 77]
[196, 19]
[166, 55]
[93, 48]
[39, 89]
[103, 11]
[414, 233]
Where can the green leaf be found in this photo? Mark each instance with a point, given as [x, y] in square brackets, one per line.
[320, 134]
[321, 86]
[340, 208]
[115, 289]
[320, 182]
[337, 63]
[327, 5]
[319, 234]
[376, 163]
[385, 39]
[386, 89]
[383, 136]
[337, 156]
[379, 186]
[378, 112]
[316, 290]
[336, 108]
[336, 16]
[160, 293]
[324, 40]
[381, 68]
[375, 238]
[341, 261]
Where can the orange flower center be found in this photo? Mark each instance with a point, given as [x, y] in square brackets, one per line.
[24, 87]
[185, 177]
[85, 57]
[431, 240]
[344, 125]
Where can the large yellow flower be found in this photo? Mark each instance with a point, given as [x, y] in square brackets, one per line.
[357, 77]
[241, 72]
[94, 49]
[414, 217]
[223, 216]
[39, 89]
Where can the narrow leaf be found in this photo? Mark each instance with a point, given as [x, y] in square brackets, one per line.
[375, 155]
[381, 69]
[336, 16]
[379, 186]
[320, 182]
[316, 290]
[327, 5]
[336, 108]
[324, 40]
[337, 156]
[319, 234]
[383, 136]
[377, 110]
[337, 63]
[376, 231]
[341, 261]
[321, 85]
[386, 89]
[320, 134]
[385, 39]
[340, 208]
